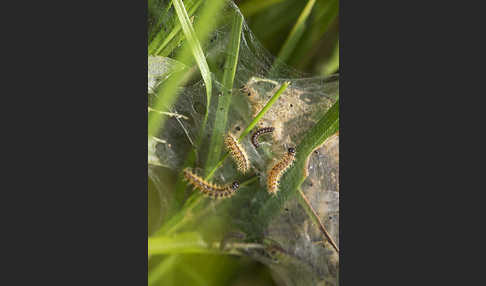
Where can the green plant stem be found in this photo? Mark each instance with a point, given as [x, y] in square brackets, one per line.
[197, 53]
[224, 101]
[161, 40]
[208, 17]
[323, 18]
[296, 32]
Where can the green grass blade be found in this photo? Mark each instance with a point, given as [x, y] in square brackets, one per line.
[161, 40]
[196, 51]
[209, 17]
[323, 17]
[267, 106]
[296, 32]
[224, 101]
[160, 13]
[167, 94]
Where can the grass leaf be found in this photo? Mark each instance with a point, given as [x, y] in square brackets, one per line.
[224, 101]
[296, 33]
[197, 52]
[323, 18]
[161, 40]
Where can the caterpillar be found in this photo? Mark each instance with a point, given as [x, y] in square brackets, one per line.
[211, 190]
[278, 169]
[237, 153]
[261, 131]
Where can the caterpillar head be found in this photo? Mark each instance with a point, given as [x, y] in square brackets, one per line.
[235, 185]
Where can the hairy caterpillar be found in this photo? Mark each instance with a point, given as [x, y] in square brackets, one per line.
[211, 190]
[278, 169]
[261, 131]
[237, 153]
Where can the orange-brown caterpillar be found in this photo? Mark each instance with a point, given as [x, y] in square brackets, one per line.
[237, 153]
[261, 131]
[278, 169]
[208, 189]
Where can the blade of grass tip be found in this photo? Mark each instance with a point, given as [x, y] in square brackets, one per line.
[197, 53]
[257, 118]
[224, 101]
[296, 33]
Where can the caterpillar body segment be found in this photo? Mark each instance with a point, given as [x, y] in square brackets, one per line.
[258, 133]
[278, 170]
[237, 153]
[211, 190]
